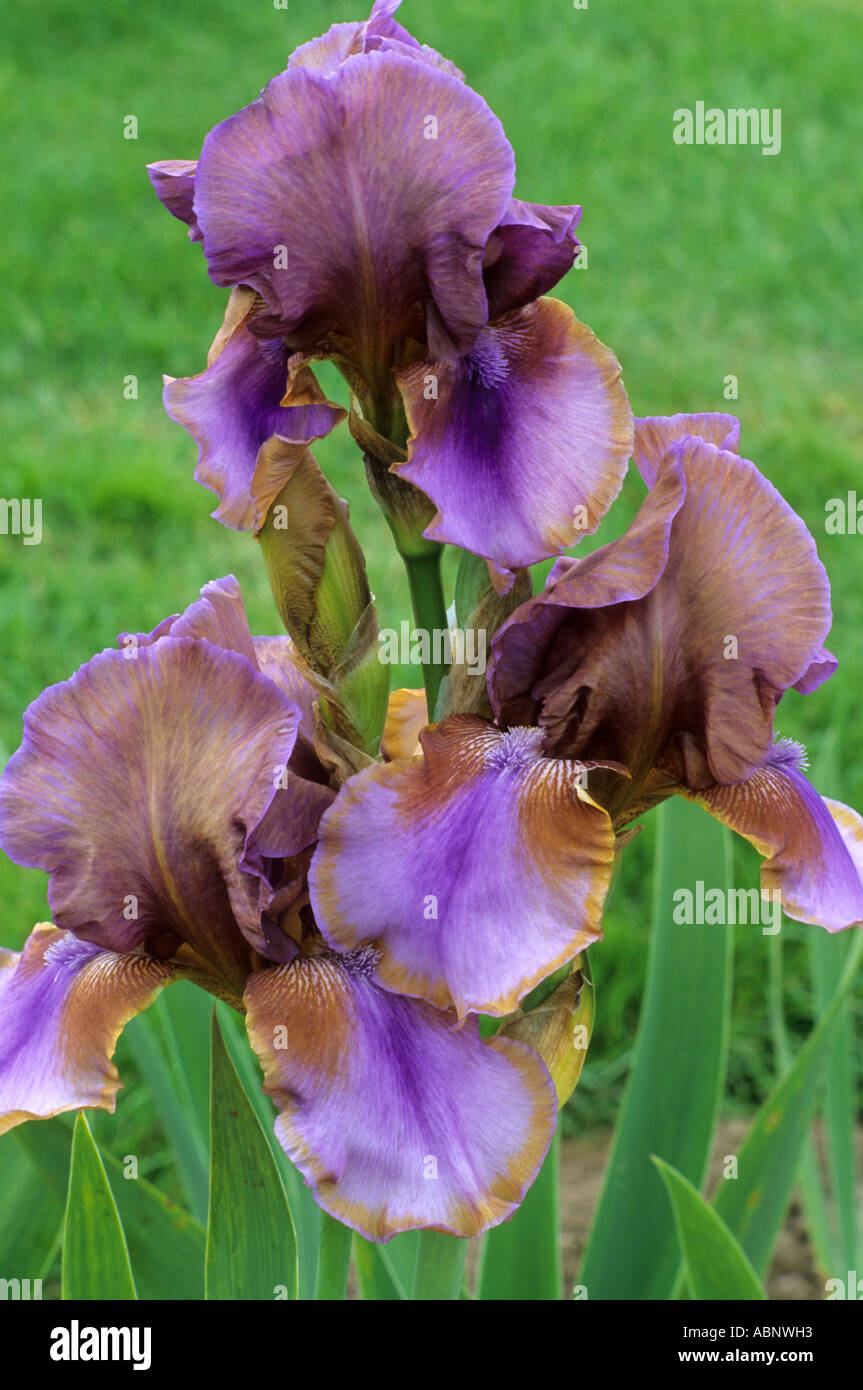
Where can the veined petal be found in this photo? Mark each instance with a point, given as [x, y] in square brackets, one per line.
[233, 408]
[138, 788]
[813, 847]
[655, 434]
[174, 182]
[63, 1004]
[537, 654]
[475, 870]
[399, 1118]
[522, 444]
[693, 665]
[306, 193]
[532, 248]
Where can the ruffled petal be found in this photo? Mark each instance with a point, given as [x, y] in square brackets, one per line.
[138, 788]
[532, 248]
[174, 182]
[475, 871]
[535, 669]
[523, 443]
[305, 195]
[655, 434]
[399, 1118]
[813, 847]
[63, 1004]
[695, 665]
[233, 408]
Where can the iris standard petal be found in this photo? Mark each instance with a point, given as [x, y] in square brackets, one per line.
[349, 199]
[138, 788]
[813, 847]
[540, 656]
[528, 252]
[695, 667]
[399, 1117]
[63, 1004]
[174, 182]
[475, 870]
[522, 444]
[655, 434]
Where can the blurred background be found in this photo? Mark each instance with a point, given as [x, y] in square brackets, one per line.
[703, 263]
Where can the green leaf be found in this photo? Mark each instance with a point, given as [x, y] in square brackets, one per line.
[334, 1260]
[386, 1272]
[165, 1243]
[715, 1264]
[521, 1257]
[812, 1195]
[95, 1256]
[251, 1245]
[32, 1214]
[306, 1213]
[176, 1112]
[439, 1268]
[675, 1085]
[753, 1205]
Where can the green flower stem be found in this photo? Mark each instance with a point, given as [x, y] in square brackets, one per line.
[334, 1259]
[440, 1267]
[429, 610]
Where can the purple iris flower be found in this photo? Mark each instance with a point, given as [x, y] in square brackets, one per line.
[171, 791]
[651, 667]
[365, 206]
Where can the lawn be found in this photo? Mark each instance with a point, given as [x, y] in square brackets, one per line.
[704, 263]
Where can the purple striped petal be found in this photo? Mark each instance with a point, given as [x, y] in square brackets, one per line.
[532, 248]
[813, 847]
[655, 434]
[693, 667]
[475, 870]
[398, 1116]
[63, 1004]
[139, 787]
[522, 444]
[232, 409]
[174, 182]
[336, 199]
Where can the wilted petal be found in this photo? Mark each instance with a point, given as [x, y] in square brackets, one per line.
[522, 444]
[63, 1004]
[532, 248]
[232, 409]
[813, 847]
[138, 788]
[398, 1117]
[655, 434]
[174, 182]
[307, 193]
[475, 871]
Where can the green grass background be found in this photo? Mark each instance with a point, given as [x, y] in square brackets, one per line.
[703, 262]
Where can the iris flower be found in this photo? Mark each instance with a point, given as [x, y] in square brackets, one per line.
[362, 210]
[171, 791]
[651, 667]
